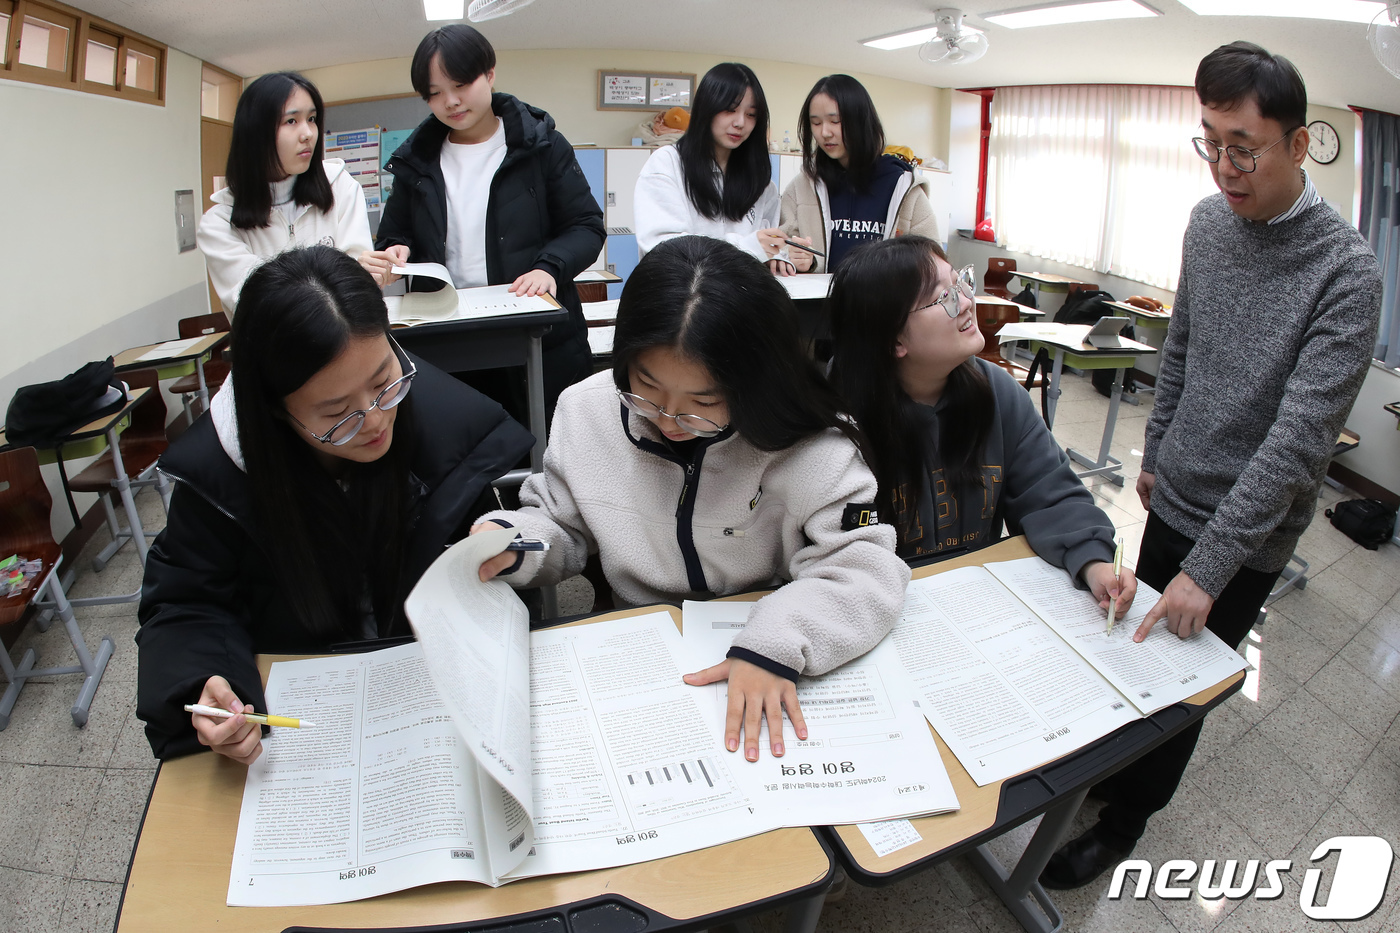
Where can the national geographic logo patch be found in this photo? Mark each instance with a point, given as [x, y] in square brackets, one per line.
[858, 515]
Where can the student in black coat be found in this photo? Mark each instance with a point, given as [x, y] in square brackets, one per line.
[488, 187]
[308, 505]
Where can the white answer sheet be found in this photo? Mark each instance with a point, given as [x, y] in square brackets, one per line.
[1163, 669]
[868, 754]
[1002, 689]
[480, 302]
[806, 286]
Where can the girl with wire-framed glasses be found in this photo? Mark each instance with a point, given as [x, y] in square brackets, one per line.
[309, 500]
[958, 447]
[714, 459]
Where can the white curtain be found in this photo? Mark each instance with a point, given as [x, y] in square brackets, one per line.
[1102, 177]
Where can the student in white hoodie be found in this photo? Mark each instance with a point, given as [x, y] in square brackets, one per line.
[281, 194]
[716, 181]
[713, 460]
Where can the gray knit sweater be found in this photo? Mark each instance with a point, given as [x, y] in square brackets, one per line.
[1269, 341]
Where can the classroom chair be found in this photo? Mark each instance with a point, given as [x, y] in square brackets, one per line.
[592, 291]
[25, 505]
[141, 445]
[998, 276]
[216, 370]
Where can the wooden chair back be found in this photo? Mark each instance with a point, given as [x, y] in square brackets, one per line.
[203, 324]
[25, 505]
[998, 276]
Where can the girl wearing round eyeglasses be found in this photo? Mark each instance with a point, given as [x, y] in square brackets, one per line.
[308, 502]
[959, 449]
[712, 460]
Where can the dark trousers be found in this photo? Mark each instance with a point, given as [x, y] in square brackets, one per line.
[1147, 785]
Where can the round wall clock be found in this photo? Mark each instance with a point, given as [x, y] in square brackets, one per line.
[1324, 145]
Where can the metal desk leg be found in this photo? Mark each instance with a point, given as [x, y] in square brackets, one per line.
[203, 386]
[124, 488]
[1019, 889]
[802, 916]
[534, 380]
[1053, 394]
[1105, 465]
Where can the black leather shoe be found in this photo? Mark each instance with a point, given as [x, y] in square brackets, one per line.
[1080, 861]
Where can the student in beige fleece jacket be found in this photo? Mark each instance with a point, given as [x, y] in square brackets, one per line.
[710, 461]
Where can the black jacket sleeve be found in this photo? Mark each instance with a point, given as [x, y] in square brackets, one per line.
[396, 222]
[193, 621]
[577, 230]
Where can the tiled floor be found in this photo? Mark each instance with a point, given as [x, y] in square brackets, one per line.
[1310, 749]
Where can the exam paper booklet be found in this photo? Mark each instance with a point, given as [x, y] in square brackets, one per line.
[1014, 667]
[807, 285]
[484, 752]
[452, 304]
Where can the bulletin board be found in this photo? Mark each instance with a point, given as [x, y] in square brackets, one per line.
[645, 90]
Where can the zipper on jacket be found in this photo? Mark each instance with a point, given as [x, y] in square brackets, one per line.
[685, 527]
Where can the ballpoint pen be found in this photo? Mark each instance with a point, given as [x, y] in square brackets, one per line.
[1113, 600]
[286, 722]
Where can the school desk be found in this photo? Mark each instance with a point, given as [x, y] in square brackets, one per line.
[178, 363]
[1065, 343]
[466, 344]
[1046, 282]
[1142, 318]
[1055, 789]
[179, 872]
[89, 441]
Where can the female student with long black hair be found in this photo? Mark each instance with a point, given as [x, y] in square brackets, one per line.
[716, 181]
[307, 505]
[713, 459]
[849, 191]
[489, 188]
[958, 446]
[282, 193]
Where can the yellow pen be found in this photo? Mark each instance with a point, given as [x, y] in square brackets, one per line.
[1113, 600]
[286, 722]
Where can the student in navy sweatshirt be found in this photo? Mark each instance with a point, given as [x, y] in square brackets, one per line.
[957, 446]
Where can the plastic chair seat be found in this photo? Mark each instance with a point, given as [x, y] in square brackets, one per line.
[138, 454]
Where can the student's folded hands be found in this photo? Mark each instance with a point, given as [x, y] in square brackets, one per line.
[753, 694]
[236, 738]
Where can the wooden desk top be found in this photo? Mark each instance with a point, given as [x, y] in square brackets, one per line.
[979, 805]
[998, 302]
[1046, 278]
[179, 874]
[127, 359]
[1070, 337]
[99, 426]
[597, 275]
[1164, 315]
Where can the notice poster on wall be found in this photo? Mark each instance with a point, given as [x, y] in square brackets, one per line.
[624, 90]
[360, 151]
[670, 92]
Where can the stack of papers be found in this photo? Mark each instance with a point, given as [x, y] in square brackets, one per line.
[454, 304]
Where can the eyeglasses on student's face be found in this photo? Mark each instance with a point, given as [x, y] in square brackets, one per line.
[346, 428]
[950, 298]
[691, 424]
[1241, 158]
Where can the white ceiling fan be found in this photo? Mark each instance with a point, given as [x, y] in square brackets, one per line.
[482, 10]
[952, 43]
[1384, 36]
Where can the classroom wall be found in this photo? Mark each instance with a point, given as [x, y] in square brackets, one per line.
[91, 264]
[1378, 456]
[565, 83]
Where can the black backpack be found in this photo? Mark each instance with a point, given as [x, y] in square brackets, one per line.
[1086, 306]
[1368, 522]
[1025, 297]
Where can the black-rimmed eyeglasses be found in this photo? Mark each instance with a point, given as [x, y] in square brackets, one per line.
[1241, 158]
[691, 424]
[346, 428]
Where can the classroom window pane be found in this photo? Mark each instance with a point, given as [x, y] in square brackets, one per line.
[140, 70]
[101, 65]
[208, 99]
[4, 36]
[43, 44]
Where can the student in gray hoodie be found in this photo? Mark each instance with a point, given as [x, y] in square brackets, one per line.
[958, 447]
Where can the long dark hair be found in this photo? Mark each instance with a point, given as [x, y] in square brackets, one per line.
[252, 156]
[718, 306]
[327, 544]
[873, 292]
[861, 134]
[748, 171]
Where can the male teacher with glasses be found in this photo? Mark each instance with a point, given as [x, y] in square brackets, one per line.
[1274, 325]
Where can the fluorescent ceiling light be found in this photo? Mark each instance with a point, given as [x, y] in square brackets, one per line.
[444, 9]
[910, 37]
[1347, 11]
[1076, 11]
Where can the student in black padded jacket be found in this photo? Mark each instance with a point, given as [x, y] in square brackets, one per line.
[308, 505]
